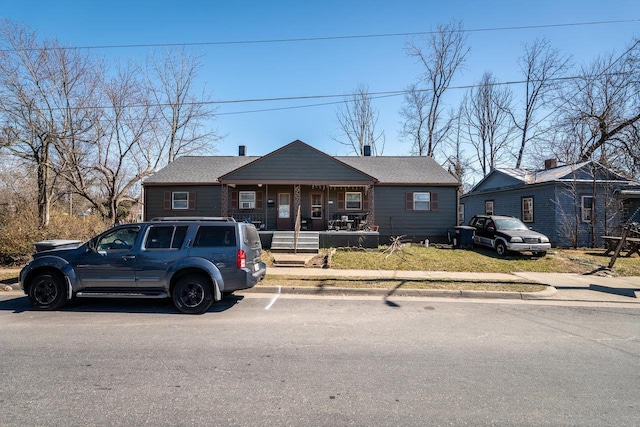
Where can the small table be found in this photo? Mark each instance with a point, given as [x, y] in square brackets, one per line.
[611, 243]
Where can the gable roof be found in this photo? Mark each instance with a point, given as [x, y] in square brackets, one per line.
[583, 171]
[199, 170]
[298, 162]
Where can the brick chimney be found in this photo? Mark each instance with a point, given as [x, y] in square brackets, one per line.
[550, 163]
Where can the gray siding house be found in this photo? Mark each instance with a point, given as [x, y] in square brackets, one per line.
[392, 196]
[574, 205]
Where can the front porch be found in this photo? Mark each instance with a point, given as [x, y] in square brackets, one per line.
[286, 207]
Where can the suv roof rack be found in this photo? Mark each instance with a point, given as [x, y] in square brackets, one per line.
[195, 218]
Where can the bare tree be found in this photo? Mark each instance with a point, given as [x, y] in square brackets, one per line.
[441, 54]
[122, 151]
[183, 117]
[358, 119]
[542, 66]
[458, 164]
[415, 113]
[599, 112]
[488, 125]
[41, 84]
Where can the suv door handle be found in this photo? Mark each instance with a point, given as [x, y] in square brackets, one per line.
[128, 257]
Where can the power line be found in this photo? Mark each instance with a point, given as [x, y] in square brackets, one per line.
[344, 97]
[327, 38]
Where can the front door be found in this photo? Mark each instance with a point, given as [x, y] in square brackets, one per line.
[317, 211]
[284, 211]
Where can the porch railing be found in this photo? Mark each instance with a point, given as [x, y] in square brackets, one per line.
[257, 219]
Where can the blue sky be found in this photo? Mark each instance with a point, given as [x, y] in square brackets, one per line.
[270, 70]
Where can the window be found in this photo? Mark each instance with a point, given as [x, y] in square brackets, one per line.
[214, 236]
[353, 201]
[120, 239]
[488, 207]
[527, 209]
[247, 199]
[461, 214]
[180, 200]
[316, 205]
[586, 205]
[421, 201]
[165, 237]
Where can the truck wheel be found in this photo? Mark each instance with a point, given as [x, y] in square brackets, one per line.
[47, 292]
[193, 294]
[501, 248]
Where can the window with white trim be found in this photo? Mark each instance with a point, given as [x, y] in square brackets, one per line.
[527, 209]
[488, 207]
[353, 201]
[586, 207]
[461, 214]
[421, 201]
[180, 200]
[247, 199]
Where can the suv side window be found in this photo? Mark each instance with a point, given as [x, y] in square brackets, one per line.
[479, 223]
[121, 239]
[213, 236]
[165, 237]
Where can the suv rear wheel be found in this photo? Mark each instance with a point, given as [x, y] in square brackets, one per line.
[193, 294]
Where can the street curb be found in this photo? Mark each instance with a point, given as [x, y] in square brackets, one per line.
[440, 293]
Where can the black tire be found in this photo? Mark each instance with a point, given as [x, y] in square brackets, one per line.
[47, 292]
[501, 248]
[193, 294]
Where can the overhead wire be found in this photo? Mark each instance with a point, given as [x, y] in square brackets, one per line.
[326, 38]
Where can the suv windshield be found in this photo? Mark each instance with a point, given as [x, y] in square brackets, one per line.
[510, 224]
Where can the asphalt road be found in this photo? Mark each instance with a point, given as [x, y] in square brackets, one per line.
[259, 360]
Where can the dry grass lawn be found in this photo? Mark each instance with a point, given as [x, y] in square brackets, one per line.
[481, 260]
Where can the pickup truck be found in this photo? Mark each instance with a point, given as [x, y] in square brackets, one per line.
[195, 262]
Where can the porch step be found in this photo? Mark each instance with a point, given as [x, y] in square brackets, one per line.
[283, 241]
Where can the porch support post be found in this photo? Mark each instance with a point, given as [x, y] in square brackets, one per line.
[296, 197]
[370, 210]
[224, 202]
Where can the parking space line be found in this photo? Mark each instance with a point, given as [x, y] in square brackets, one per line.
[274, 299]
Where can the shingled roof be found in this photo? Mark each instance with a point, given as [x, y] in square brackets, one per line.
[198, 169]
[385, 169]
[401, 169]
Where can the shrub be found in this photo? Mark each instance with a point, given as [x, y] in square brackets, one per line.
[19, 231]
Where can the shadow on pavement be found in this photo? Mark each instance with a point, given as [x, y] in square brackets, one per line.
[625, 292]
[116, 305]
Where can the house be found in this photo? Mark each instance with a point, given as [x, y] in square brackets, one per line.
[574, 205]
[357, 197]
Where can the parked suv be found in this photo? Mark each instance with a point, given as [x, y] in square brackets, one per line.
[507, 233]
[193, 261]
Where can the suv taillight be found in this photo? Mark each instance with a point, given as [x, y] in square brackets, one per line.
[242, 259]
